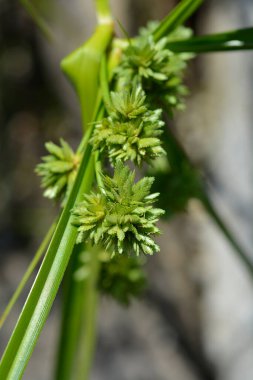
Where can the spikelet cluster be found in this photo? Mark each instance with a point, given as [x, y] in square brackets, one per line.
[122, 218]
[122, 277]
[131, 131]
[156, 68]
[58, 170]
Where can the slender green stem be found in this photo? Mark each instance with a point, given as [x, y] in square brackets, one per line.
[104, 81]
[176, 18]
[103, 11]
[238, 249]
[39, 21]
[27, 275]
[235, 40]
[78, 331]
[205, 199]
[98, 170]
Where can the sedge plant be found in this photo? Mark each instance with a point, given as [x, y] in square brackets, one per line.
[107, 226]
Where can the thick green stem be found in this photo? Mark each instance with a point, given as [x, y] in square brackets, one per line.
[78, 331]
[88, 329]
[103, 11]
[82, 68]
[73, 299]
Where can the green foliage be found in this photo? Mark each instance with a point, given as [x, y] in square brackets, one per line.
[131, 131]
[58, 171]
[121, 218]
[176, 18]
[229, 41]
[122, 277]
[155, 68]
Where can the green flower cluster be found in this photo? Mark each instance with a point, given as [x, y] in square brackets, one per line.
[58, 170]
[156, 68]
[122, 278]
[131, 131]
[121, 218]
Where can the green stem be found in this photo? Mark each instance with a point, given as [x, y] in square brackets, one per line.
[104, 81]
[103, 11]
[42, 25]
[78, 331]
[27, 275]
[82, 69]
[235, 40]
[174, 145]
[88, 329]
[73, 299]
[98, 170]
[241, 253]
[176, 17]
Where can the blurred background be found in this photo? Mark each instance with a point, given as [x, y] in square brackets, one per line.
[195, 321]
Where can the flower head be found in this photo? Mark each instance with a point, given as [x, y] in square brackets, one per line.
[131, 131]
[156, 68]
[58, 170]
[121, 218]
[122, 278]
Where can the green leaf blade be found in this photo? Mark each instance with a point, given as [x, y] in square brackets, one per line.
[241, 39]
[176, 17]
[37, 307]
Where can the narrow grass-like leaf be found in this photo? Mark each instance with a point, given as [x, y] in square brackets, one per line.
[178, 157]
[39, 301]
[229, 41]
[176, 18]
[27, 275]
[239, 250]
[38, 19]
